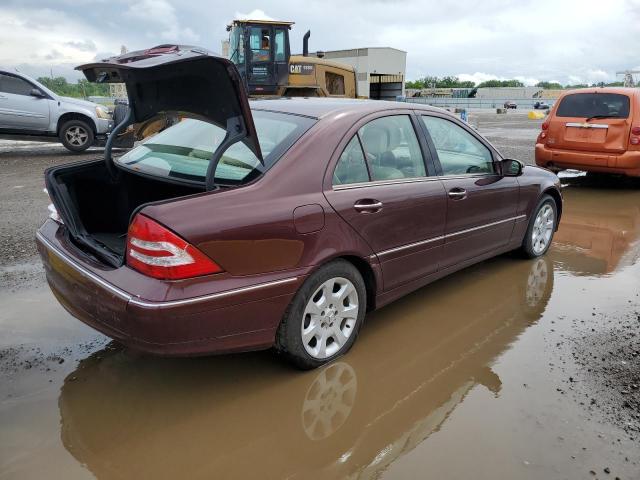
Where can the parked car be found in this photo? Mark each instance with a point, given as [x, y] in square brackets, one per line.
[592, 129]
[541, 106]
[30, 111]
[276, 224]
[510, 104]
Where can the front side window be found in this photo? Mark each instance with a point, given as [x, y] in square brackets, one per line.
[351, 167]
[184, 150]
[606, 105]
[236, 43]
[14, 85]
[459, 152]
[260, 44]
[392, 149]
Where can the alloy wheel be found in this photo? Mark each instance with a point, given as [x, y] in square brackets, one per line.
[329, 318]
[76, 136]
[542, 229]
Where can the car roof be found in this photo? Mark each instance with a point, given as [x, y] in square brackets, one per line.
[322, 107]
[619, 90]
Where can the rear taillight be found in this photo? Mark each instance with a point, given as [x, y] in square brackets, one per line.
[51, 208]
[158, 252]
[634, 141]
[635, 131]
[545, 126]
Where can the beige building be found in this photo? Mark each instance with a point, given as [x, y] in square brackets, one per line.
[380, 71]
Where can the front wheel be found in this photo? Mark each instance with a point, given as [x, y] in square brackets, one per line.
[324, 318]
[542, 226]
[76, 136]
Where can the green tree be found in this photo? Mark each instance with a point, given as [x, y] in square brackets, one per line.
[549, 85]
[448, 81]
[501, 83]
[81, 89]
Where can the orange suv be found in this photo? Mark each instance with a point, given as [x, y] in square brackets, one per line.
[593, 129]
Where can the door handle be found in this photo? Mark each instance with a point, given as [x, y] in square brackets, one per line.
[457, 193]
[368, 206]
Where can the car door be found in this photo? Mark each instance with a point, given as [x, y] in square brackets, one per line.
[261, 72]
[19, 110]
[481, 203]
[379, 183]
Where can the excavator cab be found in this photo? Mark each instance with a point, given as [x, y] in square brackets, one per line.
[260, 49]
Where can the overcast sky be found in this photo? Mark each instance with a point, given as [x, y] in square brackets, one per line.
[556, 40]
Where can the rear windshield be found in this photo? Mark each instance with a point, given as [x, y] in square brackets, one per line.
[184, 150]
[606, 105]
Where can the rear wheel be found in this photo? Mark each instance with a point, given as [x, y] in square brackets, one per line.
[324, 318]
[542, 226]
[76, 135]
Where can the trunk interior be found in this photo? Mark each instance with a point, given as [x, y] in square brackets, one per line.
[97, 210]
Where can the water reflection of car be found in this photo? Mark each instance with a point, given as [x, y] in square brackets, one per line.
[247, 416]
[600, 229]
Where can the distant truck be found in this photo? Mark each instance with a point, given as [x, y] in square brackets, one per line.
[30, 111]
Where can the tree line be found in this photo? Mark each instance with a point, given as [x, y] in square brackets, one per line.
[82, 89]
[450, 81]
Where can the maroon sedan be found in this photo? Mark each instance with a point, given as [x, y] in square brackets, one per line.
[275, 223]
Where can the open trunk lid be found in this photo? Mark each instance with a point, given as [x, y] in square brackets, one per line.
[174, 78]
[592, 120]
[97, 200]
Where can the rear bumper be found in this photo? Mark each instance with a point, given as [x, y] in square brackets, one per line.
[225, 320]
[627, 163]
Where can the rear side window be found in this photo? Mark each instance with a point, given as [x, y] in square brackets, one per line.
[280, 46]
[606, 105]
[184, 150]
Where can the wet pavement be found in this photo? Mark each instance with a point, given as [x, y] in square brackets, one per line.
[509, 369]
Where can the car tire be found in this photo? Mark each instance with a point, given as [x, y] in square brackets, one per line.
[76, 135]
[325, 316]
[542, 226]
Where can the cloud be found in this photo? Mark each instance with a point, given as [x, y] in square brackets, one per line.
[161, 14]
[530, 39]
[256, 14]
[85, 45]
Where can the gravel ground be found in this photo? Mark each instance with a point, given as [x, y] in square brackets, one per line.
[24, 206]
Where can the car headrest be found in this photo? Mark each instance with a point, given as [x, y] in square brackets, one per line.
[375, 139]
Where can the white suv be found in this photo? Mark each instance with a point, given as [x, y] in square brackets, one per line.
[30, 111]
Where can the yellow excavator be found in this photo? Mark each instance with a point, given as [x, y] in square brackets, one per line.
[261, 51]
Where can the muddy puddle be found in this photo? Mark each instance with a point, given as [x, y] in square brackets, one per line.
[487, 374]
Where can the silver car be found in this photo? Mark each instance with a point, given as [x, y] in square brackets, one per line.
[30, 111]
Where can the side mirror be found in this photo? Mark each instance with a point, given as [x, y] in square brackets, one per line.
[511, 167]
[35, 92]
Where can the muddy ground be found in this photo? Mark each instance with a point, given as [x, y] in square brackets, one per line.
[509, 369]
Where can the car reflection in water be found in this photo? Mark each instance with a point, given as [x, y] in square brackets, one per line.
[600, 228]
[247, 416]
[251, 416]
